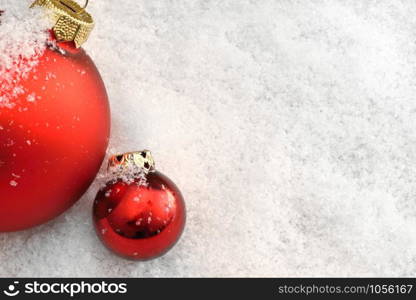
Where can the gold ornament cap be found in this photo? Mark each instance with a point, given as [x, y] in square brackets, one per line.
[72, 22]
[141, 159]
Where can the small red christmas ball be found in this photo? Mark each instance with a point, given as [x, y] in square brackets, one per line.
[53, 136]
[140, 214]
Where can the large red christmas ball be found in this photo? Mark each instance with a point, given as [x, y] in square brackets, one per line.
[53, 139]
[139, 221]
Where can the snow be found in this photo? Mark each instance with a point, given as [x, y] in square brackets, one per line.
[127, 173]
[22, 40]
[289, 126]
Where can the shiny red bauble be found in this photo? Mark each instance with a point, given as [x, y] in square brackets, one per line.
[140, 221]
[53, 140]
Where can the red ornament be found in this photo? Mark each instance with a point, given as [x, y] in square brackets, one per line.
[142, 215]
[53, 140]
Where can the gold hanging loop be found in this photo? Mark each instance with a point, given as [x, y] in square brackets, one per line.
[72, 22]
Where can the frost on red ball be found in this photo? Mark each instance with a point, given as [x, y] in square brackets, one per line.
[139, 220]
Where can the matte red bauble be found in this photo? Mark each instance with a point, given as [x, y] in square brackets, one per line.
[140, 214]
[53, 141]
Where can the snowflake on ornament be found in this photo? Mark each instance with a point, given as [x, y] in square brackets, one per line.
[22, 42]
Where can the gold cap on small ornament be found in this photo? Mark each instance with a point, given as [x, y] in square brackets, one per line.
[142, 159]
[72, 22]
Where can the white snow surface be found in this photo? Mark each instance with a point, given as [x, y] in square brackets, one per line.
[289, 126]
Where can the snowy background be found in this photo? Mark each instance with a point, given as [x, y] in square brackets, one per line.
[290, 127]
